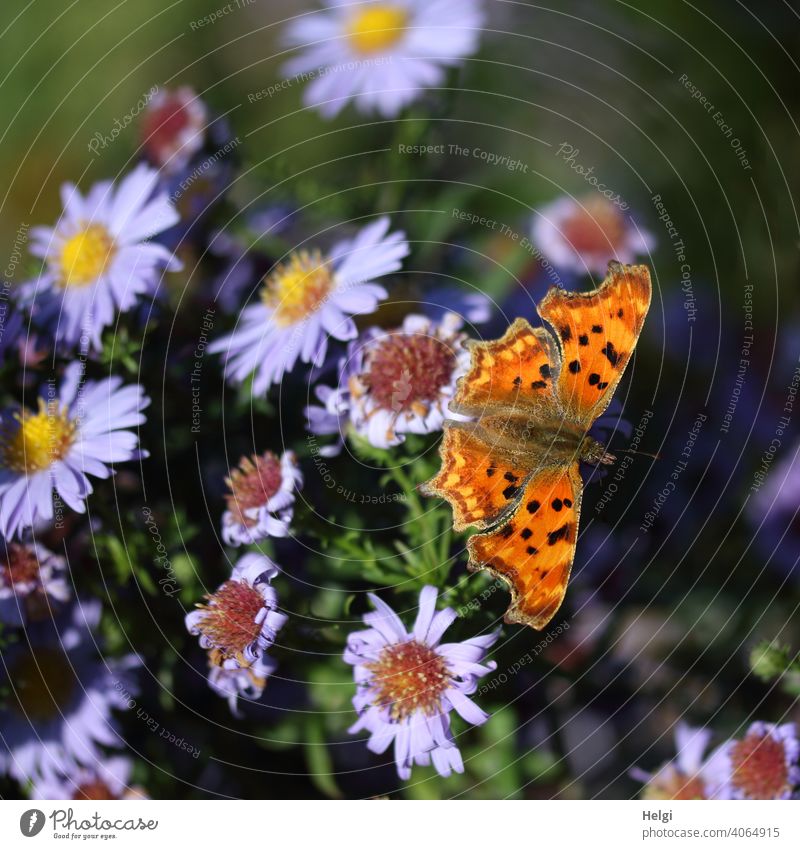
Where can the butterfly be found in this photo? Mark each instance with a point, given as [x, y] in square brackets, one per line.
[513, 470]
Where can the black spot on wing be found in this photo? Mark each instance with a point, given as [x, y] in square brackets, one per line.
[510, 477]
[611, 353]
[557, 504]
[531, 550]
[510, 491]
[526, 533]
[597, 328]
[490, 471]
[507, 531]
[558, 534]
[594, 379]
[583, 339]
[538, 384]
[517, 381]
[544, 371]
[567, 502]
[565, 333]
[574, 366]
[533, 506]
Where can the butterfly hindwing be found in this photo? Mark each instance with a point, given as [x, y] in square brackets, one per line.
[534, 549]
[477, 482]
[597, 332]
[517, 371]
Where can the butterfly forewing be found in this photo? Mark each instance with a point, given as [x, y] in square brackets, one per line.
[597, 332]
[517, 371]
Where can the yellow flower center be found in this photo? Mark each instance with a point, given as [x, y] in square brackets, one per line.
[377, 28]
[298, 288]
[85, 256]
[39, 439]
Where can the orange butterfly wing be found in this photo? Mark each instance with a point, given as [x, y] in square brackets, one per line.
[534, 549]
[518, 370]
[478, 485]
[597, 332]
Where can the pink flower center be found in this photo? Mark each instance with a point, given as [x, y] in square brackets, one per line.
[230, 616]
[595, 227]
[408, 371]
[163, 126]
[20, 566]
[759, 766]
[252, 485]
[409, 677]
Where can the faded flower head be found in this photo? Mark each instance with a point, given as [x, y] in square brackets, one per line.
[583, 234]
[761, 765]
[261, 497]
[33, 582]
[395, 382]
[237, 623]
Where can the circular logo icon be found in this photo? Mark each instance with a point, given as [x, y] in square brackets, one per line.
[31, 822]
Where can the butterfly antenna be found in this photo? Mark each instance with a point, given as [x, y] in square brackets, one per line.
[642, 453]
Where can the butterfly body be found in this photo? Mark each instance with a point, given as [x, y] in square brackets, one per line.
[513, 470]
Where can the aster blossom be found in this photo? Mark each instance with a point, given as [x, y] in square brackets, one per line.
[684, 777]
[33, 581]
[763, 764]
[260, 498]
[99, 258]
[237, 624]
[582, 234]
[393, 383]
[408, 683]
[59, 712]
[74, 432]
[307, 299]
[381, 55]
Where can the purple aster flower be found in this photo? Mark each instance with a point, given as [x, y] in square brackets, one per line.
[582, 234]
[99, 257]
[395, 382]
[382, 55]
[308, 299]
[409, 682]
[261, 498]
[74, 433]
[237, 624]
[762, 765]
[33, 581]
[59, 709]
[108, 779]
[682, 778]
